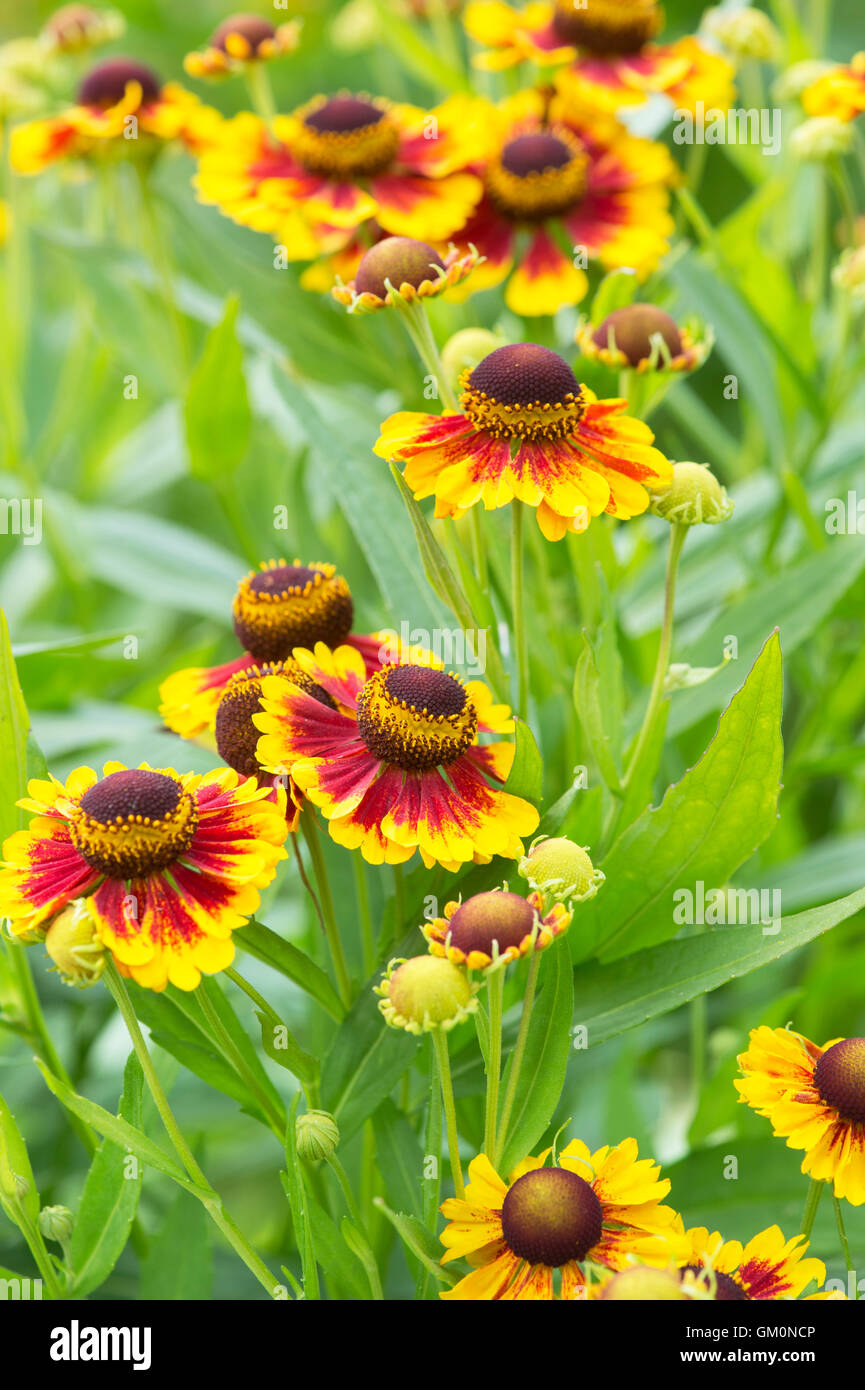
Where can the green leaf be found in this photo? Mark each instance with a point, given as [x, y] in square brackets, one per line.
[419, 1240]
[609, 999]
[337, 1260]
[110, 1197]
[120, 1132]
[339, 427]
[14, 728]
[440, 576]
[592, 697]
[706, 826]
[399, 1157]
[616, 290]
[545, 1060]
[363, 1064]
[177, 1024]
[280, 955]
[218, 416]
[796, 600]
[15, 1169]
[526, 777]
[179, 1264]
[285, 1051]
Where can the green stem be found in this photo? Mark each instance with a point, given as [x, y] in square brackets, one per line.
[361, 888]
[812, 1202]
[444, 1070]
[678, 533]
[495, 995]
[325, 897]
[40, 1037]
[418, 328]
[398, 903]
[519, 1051]
[227, 500]
[432, 1149]
[261, 92]
[518, 625]
[161, 260]
[370, 1265]
[212, 1201]
[845, 1244]
[42, 1259]
[235, 1059]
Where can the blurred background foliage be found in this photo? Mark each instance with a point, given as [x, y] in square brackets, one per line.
[136, 545]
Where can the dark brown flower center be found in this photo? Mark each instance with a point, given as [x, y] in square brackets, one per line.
[487, 917]
[425, 690]
[345, 137]
[133, 822]
[537, 176]
[286, 606]
[632, 329]
[840, 1078]
[607, 26]
[415, 718]
[341, 115]
[282, 580]
[106, 84]
[135, 793]
[400, 260]
[236, 735]
[249, 26]
[551, 1216]
[531, 154]
[726, 1288]
[524, 374]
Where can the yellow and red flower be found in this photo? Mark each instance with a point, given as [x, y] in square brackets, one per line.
[242, 39]
[604, 49]
[529, 431]
[339, 162]
[603, 1208]
[170, 864]
[278, 608]
[122, 109]
[561, 190]
[814, 1097]
[839, 93]
[402, 268]
[394, 761]
[768, 1267]
[495, 928]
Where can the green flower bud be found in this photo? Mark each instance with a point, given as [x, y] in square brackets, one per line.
[317, 1135]
[745, 33]
[425, 992]
[73, 944]
[793, 82]
[560, 870]
[694, 496]
[644, 1284]
[466, 349]
[56, 1223]
[821, 138]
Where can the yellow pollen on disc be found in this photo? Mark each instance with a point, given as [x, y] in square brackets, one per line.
[345, 138]
[123, 843]
[416, 733]
[535, 420]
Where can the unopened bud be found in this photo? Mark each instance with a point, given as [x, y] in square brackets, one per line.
[694, 496]
[74, 946]
[745, 33]
[560, 870]
[317, 1135]
[644, 1284]
[466, 349]
[821, 138]
[56, 1223]
[425, 992]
